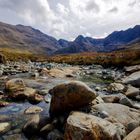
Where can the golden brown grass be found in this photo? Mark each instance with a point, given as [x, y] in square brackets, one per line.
[19, 54]
[117, 58]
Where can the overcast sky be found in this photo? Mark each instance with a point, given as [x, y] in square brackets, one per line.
[69, 18]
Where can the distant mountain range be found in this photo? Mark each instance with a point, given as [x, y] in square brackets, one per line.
[33, 40]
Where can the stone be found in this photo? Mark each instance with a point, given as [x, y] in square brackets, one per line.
[133, 79]
[1, 72]
[81, 126]
[32, 126]
[97, 88]
[3, 103]
[13, 137]
[116, 87]
[97, 100]
[15, 85]
[117, 113]
[125, 101]
[110, 98]
[59, 72]
[69, 96]
[36, 98]
[55, 135]
[132, 91]
[47, 128]
[132, 69]
[28, 93]
[4, 127]
[2, 59]
[33, 110]
[134, 135]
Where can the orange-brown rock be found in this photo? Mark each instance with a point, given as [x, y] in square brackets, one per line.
[81, 126]
[70, 96]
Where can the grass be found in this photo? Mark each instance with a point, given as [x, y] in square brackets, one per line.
[117, 58]
[12, 54]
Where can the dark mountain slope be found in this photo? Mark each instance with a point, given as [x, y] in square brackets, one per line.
[26, 37]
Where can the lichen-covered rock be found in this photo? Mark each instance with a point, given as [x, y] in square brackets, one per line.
[69, 96]
[117, 113]
[81, 126]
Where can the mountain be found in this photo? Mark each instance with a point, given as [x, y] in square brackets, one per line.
[30, 39]
[27, 38]
[114, 41]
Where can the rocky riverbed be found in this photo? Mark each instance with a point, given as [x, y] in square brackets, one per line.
[50, 101]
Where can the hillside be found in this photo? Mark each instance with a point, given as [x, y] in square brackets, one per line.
[26, 38]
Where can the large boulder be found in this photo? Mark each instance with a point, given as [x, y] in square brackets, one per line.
[117, 113]
[70, 96]
[134, 135]
[81, 126]
[133, 79]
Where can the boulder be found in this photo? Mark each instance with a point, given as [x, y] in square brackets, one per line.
[17, 90]
[132, 91]
[15, 85]
[70, 96]
[133, 79]
[81, 126]
[33, 110]
[117, 113]
[132, 69]
[116, 87]
[134, 135]
[4, 127]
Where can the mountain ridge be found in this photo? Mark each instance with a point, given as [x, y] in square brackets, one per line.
[31, 39]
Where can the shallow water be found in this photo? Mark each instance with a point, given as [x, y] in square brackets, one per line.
[15, 111]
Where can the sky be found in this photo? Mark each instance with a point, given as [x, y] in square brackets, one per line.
[69, 18]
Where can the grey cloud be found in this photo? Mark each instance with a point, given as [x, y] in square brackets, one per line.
[92, 6]
[132, 3]
[113, 10]
[47, 18]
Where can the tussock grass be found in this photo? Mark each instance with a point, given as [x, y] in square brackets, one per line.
[117, 58]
